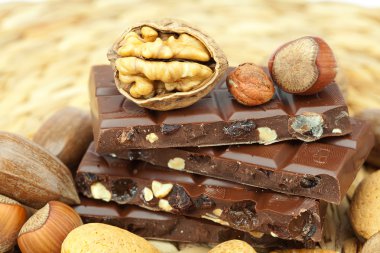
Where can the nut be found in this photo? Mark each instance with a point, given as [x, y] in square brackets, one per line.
[364, 207]
[215, 219]
[47, 228]
[250, 85]
[336, 131]
[164, 246]
[256, 234]
[218, 212]
[148, 194]
[12, 216]
[166, 64]
[97, 237]
[67, 135]
[99, 191]
[266, 135]
[164, 205]
[303, 66]
[31, 175]
[233, 246]
[161, 190]
[273, 234]
[176, 163]
[152, 137]
[372, 116]
[304, 251]
[372, 245]
[307, 126]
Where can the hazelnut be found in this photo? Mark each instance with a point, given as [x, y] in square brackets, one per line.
[161, 190]
[152, 137]
[12, 216]
[250, 85]
[303, 66]
[147, 194]
[176, 163]
[166, 64]
[266, 135]
[47, 228]
[164, 205]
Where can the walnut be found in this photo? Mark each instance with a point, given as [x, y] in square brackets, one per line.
[166, 64]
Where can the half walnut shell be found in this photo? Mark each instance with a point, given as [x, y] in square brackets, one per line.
[166, 64]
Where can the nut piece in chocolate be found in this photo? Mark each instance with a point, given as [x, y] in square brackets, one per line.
[166, 64]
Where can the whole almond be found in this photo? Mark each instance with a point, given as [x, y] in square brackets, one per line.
[233, 246]
[67, 135]
[31, 175]
[304, 251]
[365, 206]
[372, 245]
[373, 117]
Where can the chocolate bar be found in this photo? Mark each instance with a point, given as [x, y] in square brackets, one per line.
[322, 170]
[170, 227]
[216, 119]
[238, 206]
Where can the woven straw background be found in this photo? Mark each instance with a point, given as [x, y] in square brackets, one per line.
[47, 48]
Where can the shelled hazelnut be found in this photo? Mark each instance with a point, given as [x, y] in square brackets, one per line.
[250, 85]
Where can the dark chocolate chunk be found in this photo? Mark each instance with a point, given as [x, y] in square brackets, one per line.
[217, 116]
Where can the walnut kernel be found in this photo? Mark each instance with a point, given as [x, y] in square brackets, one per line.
[166, 64]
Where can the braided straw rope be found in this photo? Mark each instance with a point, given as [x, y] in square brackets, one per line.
[47, 48]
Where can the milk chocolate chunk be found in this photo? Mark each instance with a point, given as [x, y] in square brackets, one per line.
[177, 228]
[234, 205]
[321, 170]
[216, 119]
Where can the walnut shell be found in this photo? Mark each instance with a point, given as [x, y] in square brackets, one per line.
[175, 99]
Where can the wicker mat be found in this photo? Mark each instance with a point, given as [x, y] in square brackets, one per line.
[47, 48]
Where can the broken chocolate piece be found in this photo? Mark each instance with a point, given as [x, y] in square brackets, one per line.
[169, 227]
[321, 170]
[237, 206]
[218, 116]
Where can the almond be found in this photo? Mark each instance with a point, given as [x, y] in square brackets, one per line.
[31, 175]
[67, 135]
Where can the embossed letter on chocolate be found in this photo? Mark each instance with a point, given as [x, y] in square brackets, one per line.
[216, 119]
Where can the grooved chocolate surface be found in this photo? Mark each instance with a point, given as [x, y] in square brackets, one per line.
[240, 207]
[324, 169]
[170, 227]
[217, 119]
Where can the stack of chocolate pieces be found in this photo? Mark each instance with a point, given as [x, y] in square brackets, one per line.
[180, 154]
[269, 195]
